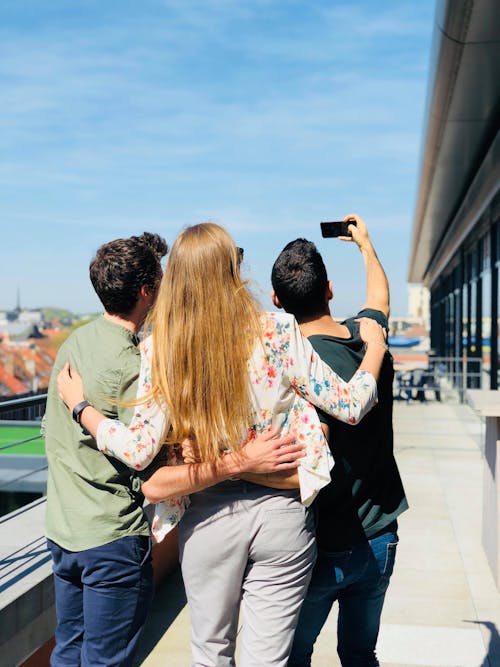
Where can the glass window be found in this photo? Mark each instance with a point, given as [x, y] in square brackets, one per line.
[486, 252]
[465, 318]
[435, 323]
[498, 324]
[474, 264]
[450, 317]
[472, 317]
[486, 324]
[467, 263]
[457, 325]
[474, 352]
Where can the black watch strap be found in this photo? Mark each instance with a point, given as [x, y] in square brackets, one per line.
[78, 409]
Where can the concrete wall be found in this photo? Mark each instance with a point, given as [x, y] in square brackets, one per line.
[27, 613]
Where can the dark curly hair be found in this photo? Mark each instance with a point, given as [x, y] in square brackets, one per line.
[121, 267]
[300, 280]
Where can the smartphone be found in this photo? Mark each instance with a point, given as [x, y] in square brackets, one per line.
[336, 228]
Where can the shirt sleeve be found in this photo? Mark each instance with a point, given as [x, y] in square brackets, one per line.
[373, 314]
[319, 384]
[137, 444]
[315, 466]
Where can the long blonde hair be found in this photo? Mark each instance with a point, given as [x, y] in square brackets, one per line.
[205, 325]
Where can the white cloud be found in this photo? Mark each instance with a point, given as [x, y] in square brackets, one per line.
[266, 115]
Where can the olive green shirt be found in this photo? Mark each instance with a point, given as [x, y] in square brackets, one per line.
[92, 499]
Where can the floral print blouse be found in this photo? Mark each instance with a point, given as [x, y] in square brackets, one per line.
[287, 378]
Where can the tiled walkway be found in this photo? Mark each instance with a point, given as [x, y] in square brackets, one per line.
[442, 608]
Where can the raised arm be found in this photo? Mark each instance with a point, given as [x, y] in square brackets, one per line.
[377, 286]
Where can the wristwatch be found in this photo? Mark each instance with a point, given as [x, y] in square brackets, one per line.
[78, 409]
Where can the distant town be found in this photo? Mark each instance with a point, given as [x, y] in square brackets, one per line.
[29, 340]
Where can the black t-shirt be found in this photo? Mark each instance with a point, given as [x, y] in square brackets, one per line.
[366, 493]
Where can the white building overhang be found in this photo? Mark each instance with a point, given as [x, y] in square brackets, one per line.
[459, 170]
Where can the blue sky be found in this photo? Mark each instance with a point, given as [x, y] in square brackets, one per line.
[266, 116]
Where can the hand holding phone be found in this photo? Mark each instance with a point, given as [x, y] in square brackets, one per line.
[336, 228]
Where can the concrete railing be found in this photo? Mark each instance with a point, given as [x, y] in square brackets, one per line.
[487, 404]
[27, 612]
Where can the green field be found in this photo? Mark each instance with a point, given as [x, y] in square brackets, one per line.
[11, 434]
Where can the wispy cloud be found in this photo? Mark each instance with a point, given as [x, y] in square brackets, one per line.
[265, 115]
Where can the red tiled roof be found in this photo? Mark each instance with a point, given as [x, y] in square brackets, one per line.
[14, 384]
[51, 333]
[26, 362]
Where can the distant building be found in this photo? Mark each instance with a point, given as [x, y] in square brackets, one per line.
[27, 352]
[455, 248]
[10, 385]
[18, 322]
[419, 305]
[25, 366]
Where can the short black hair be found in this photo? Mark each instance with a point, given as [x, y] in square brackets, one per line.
[121, 267]
[300, 280]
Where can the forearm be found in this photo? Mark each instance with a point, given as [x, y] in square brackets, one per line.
[274, 480]
[377, 285]
[372, 361]
[320, 385]
[90, 419]
[181, 480]
[135, 445]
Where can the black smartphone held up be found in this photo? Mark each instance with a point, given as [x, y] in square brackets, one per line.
[336, 228]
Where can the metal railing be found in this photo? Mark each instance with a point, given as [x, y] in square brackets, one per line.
[23, 464]
[29, 408]
[444, 378]
[33, 406]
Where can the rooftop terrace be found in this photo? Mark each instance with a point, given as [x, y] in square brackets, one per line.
[443, 606]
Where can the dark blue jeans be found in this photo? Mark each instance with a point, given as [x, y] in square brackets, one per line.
[358, 579]
[102, 600]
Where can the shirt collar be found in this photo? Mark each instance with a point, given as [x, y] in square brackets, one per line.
[118, 328]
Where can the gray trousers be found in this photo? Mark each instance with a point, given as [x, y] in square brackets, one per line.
[240, 542]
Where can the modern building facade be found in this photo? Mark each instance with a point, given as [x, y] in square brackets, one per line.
[456, 236]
